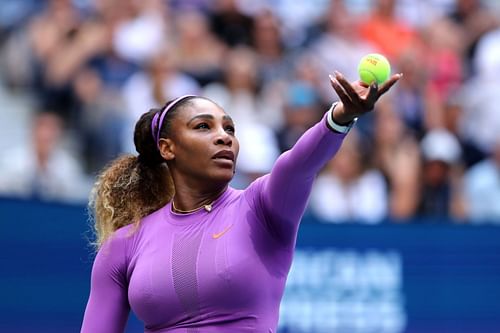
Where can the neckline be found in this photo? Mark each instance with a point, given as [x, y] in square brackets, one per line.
[184, 218]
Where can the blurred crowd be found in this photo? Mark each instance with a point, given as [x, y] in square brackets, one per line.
[90, 68]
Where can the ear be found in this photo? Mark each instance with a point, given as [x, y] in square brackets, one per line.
[167, 149]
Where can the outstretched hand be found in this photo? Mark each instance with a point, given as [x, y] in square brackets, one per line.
[357, 98]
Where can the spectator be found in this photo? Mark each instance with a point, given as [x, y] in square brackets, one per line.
[443, 54]
[453, 115]
[240, 90]
[475, 19]
[274, 63]
[396, 154]
[479, 94]
[229, 24]
[409, 101]
[440, 194]
[443, 60]
[486, 59]
[43, 170]
[302, 108]
[482, 189]
[137, 38]
[64, 44]
[339, 37]
[258, 153]
[382, 28]
[53, 33]
[296, 17]
[348, 190]
[198, 52]
[101, 121]
[159, 82]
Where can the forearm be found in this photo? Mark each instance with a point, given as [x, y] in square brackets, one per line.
[286, 190]
[108, 308]
[309, 154]
[106, 313]
[290, 181]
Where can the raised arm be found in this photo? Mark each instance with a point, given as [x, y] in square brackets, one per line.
[284, 193]
[108, 308]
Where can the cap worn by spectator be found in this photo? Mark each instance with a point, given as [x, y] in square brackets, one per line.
[441, 145]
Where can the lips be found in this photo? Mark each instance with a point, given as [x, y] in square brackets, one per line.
[224, 154]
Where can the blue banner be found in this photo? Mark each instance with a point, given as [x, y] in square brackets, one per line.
[394, 278]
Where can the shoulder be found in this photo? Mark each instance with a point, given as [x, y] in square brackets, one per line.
[118, 243]
[231, 198]
[123, 242]
[131, 232]
[252, 195]
[481, 173]
[65, 159]
[373, 177]
[137, 84]
[255, 187]
[17, 157]
[186, 80]
[124, 238]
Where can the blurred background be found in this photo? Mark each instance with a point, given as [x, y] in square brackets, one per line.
[401, 232]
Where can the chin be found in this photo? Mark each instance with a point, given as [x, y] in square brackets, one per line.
[223, 177]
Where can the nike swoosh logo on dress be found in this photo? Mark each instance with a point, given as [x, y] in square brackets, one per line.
[218, 235]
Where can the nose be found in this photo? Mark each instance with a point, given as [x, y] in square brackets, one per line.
[223, 138]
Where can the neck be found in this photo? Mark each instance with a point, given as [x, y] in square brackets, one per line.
[187, 200]
[42, 159]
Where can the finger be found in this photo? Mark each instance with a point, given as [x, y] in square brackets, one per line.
[340, 91]
[346, 100]
[363, 84]
[373, 94]
[347, 87]
[388, 84]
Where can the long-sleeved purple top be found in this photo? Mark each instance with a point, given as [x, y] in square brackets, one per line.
[217, 271]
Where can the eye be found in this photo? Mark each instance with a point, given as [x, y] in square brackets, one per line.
[202, 126]
[230, 129]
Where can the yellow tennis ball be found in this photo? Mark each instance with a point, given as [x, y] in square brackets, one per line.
[374, 67]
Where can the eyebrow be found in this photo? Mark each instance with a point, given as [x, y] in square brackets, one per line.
[208, 116]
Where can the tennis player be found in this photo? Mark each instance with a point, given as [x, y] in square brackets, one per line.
[181, 248]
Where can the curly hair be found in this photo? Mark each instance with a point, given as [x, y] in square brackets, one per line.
[132, 187]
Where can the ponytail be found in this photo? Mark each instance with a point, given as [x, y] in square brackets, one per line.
[126, 192]
[131, 187]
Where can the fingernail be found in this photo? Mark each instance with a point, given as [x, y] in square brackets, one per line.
[331, 77]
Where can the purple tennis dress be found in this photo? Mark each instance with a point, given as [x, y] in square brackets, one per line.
[217, 271]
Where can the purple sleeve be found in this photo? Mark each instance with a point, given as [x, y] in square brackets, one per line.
[108, 308]
[282, 195]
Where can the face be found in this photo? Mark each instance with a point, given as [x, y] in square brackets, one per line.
[203, 145]
[46, 134]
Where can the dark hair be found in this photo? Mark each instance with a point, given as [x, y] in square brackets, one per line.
[132, 187]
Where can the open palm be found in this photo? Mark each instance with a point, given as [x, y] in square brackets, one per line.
[357, 97]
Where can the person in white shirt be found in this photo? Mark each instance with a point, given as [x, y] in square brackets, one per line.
[43, 170]
[349, 191]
